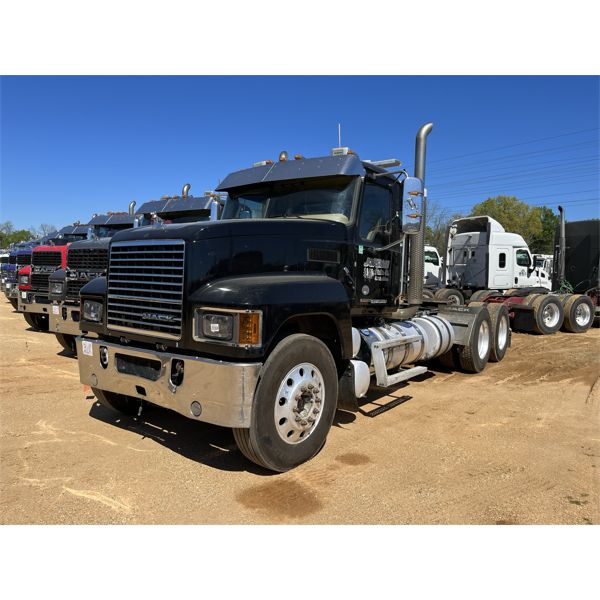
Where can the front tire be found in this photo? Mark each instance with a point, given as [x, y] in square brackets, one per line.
[37, 321]
[15, 303]
[67, 342]
[294, 405]
[120, 403]
[450, 295]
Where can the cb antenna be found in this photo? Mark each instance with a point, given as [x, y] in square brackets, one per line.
[339, 135]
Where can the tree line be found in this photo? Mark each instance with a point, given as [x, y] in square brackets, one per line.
[536, 224]
[9, 235]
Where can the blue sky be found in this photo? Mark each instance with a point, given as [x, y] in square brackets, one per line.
[72, 146]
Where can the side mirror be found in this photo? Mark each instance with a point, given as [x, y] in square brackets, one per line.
[412, 205]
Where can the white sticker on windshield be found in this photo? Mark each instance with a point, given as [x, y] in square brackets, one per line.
[88, 348]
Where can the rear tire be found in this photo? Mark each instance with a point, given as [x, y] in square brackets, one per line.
[450, 295]
[15, 303]
[294, 405]
[548, 314]
[428, 295]
[579, 314]
[67, 341]
[480, 295]
[501, 331]
[120, 403]
[474, 356]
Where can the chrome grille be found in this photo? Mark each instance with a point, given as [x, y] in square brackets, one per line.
[83, 259]
[145, 287]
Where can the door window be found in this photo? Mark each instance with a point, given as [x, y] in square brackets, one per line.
[523, 259]
[502, 260]
[375, 214]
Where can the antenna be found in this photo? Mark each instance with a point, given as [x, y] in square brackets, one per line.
[339, 135]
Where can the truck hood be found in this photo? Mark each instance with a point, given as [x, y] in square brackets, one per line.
[191, 232]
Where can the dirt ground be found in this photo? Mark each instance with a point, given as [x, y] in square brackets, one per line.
[517, 444]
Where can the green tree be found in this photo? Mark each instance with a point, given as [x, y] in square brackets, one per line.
[535, 223]
[9, 235]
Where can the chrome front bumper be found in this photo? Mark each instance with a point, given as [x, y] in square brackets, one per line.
[60, 319]
[224, 390]
[11, 290]
[28, 304]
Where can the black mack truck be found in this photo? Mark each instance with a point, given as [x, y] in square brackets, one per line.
[88, 259]
[271, 318]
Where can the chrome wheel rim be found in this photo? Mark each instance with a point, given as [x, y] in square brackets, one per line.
[483, 340]
[502, 333]
[582, 314]
[550, 315]
[299, 402]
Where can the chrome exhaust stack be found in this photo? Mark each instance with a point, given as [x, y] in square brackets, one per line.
[417, 241]
[132, 208]
[185, 190]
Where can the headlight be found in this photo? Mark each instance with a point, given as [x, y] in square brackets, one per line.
[56, 288]
[231, 327]
[23, 279]
[217, 326]
[92, 311]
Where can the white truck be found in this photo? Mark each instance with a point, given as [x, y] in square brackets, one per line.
[433, 267]
[486, 264]
[481, 255]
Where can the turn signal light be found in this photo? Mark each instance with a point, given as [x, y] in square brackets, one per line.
[249, 328]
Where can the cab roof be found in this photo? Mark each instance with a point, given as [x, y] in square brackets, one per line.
[324, 166]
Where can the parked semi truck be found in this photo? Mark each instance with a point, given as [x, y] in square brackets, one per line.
[88, 259]
[4, 261]
[284, 310]
[33, 300]
[18, 257]
[577, 261]
[486, 264]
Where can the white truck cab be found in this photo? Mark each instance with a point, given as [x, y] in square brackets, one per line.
[482, 255]
[433, 267]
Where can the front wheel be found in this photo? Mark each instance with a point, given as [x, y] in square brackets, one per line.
[294, 405]
[67, 342]
[15, 303]
[37, 321]
[121, 403]
[450, 295]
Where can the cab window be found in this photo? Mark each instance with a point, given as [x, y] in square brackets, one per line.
[375, 214]
[501, 260]
[431, 257]
[523, 259]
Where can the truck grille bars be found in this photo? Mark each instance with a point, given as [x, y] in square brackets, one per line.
[46, 259]
[145, 287]
[43, 263]
[84, 259]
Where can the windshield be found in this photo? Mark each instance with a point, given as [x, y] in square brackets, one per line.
[431, 257]
[103, 232]
[329, 199]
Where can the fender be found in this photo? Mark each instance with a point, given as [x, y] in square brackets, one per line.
[283, 296]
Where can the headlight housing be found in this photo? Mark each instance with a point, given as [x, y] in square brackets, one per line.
[217, 326]
[56, 288]
[92, 311]
[23, 279]
[228, 326]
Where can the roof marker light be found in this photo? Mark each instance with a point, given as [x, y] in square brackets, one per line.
[262, 163]
[283, 155]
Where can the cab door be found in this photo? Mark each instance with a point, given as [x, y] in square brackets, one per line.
[500, 268]
[375, 226]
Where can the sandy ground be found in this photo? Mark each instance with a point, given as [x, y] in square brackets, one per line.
[517, 444]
